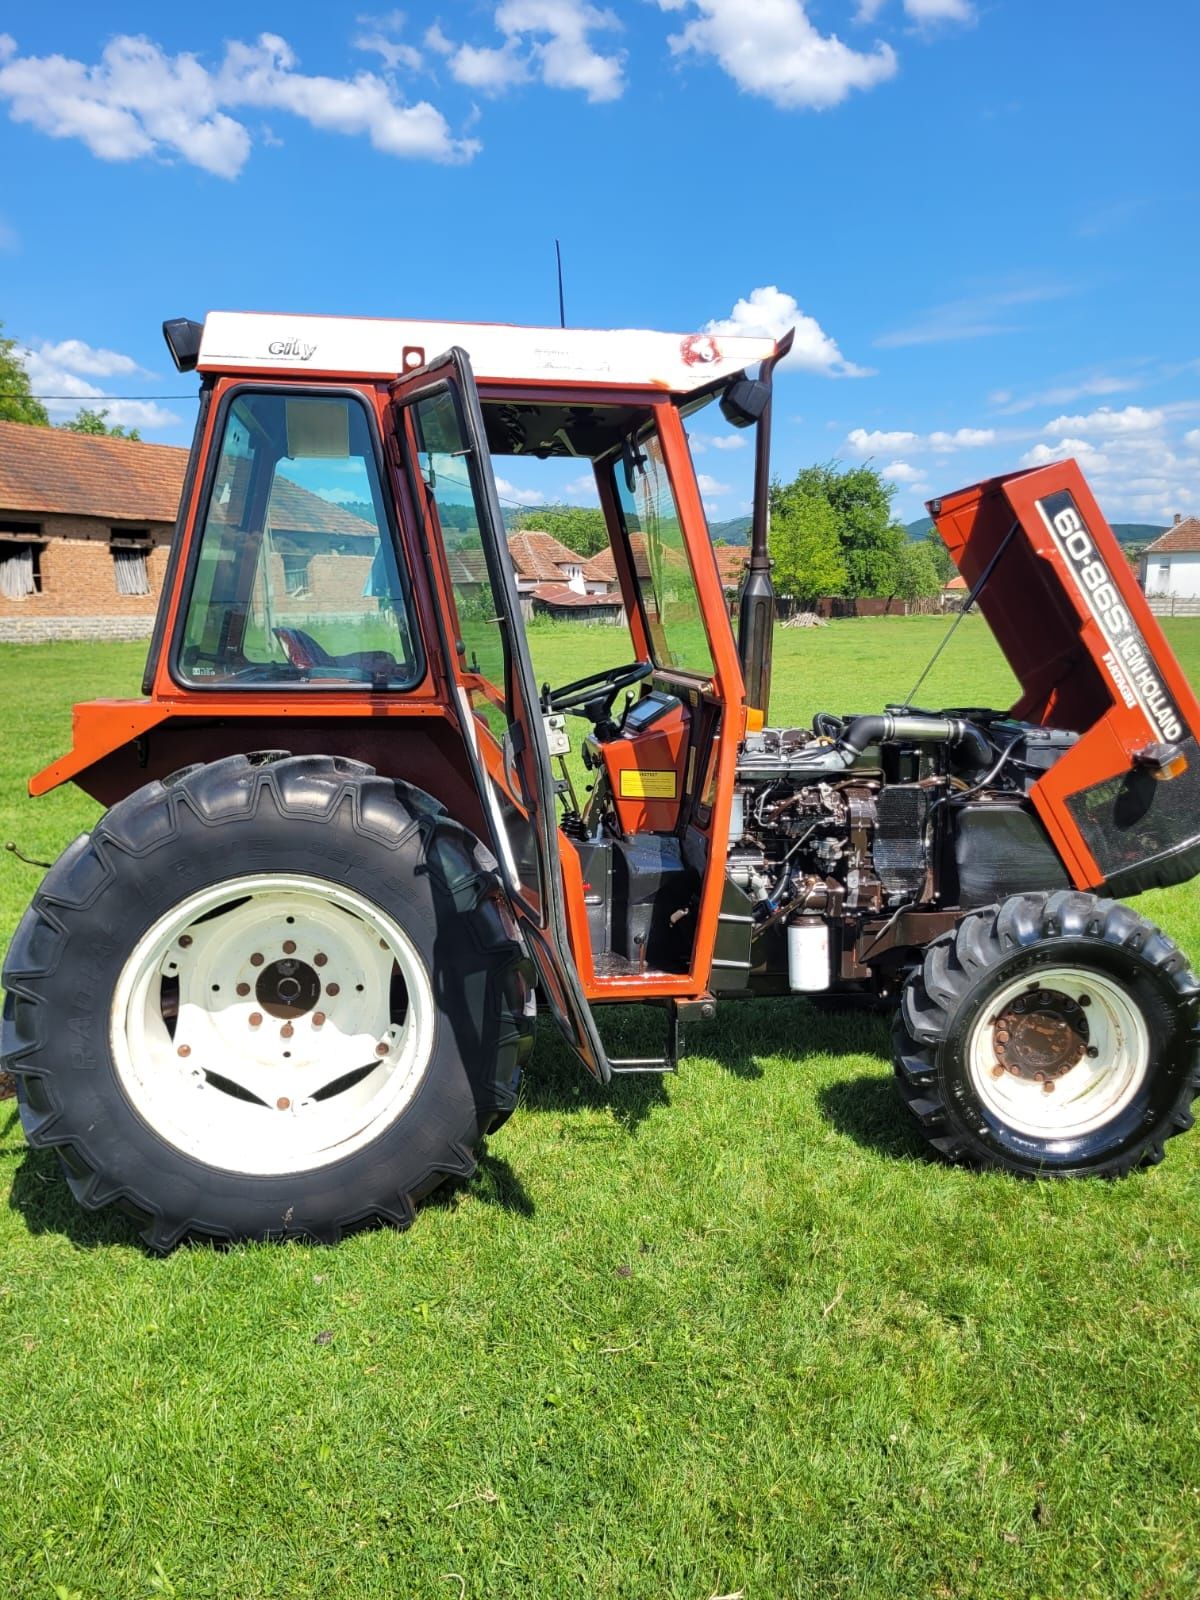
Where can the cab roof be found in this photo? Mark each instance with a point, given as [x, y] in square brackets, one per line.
[367, 347]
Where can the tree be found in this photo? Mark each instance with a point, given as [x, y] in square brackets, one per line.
[805, 543]
[915, 577]
[16, 400]
[940, 556]
[581, 528]
[869, 541]
[85, 421]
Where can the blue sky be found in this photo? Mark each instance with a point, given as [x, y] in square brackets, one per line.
[984, 211]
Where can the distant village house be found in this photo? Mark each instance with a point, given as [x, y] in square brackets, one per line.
[1171, 565]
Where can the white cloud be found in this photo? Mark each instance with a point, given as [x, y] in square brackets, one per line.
[546, 39]
[928, 11]
[711, 486]
[901, 472]
[1062, 395]
[583, 487]
[519, 497]
[869, 444]
[962, 439]
[76, 356]
[770, 48]
[728, 441]
[1192, 439]
[565, 56]
[866, 443]
[1089, 458]
[137, 102]
[768, 313]
[51, 374]
[1132, 419]
[489, 70]
[393, 53]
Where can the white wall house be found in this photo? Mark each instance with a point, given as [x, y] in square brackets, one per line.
[1171, 565]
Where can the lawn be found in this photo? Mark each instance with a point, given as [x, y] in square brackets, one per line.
[727, 1333]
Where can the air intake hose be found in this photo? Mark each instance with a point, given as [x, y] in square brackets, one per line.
[914, 728]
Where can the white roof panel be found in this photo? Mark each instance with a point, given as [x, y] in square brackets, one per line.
[253, 341]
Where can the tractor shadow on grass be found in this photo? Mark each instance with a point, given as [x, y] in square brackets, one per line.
[40, 1194]
[868, 1110]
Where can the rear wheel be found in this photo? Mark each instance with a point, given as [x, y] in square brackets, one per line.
[1054, 1035]
[272, 996]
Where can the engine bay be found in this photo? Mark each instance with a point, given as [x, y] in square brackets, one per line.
[835, 831]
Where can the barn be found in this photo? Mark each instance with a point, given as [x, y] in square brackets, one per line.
[85, 523]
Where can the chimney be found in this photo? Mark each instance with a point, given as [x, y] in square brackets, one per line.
[1178, 518]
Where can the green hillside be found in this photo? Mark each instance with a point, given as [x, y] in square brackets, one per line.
[1126, 532]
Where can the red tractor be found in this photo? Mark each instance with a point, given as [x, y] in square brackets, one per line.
[287, 983]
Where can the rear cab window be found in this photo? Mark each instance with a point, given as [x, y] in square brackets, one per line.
[296, 579]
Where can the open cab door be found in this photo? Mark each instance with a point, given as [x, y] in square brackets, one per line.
[444, 454]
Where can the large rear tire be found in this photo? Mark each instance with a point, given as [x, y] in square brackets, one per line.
[1052, 1036]
[273, 996]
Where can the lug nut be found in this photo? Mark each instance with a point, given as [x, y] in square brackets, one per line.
[282, 1103]
[333, 988]
[286, 1031]
[381, 1049]
[185, 940]
[256, 1019]
[184, 1050]
[1085, 999]
[1093, 1051]
[997, 1071]
[243, 989]
[318, 1019]
[1048, 1086]
[289, 947]
[320, 959]
[256, 960]
[1002, 1035]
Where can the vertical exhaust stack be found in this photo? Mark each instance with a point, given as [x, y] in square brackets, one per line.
[756, 616]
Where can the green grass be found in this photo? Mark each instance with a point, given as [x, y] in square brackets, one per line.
[729, 1332]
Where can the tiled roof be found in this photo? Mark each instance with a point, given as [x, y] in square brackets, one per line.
[559, 596]
[604, 566]
[51, 470]
[467, 565]
[540, 555]
[1183, 537]
[291, 509]
[954, 584]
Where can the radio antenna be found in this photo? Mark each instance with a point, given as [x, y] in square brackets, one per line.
[562, 308]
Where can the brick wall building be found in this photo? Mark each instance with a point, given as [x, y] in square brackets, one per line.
[85, 523]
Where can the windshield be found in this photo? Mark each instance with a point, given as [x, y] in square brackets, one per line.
[297, 579]
[663, 574]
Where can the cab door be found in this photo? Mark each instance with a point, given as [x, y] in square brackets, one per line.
[443, 451]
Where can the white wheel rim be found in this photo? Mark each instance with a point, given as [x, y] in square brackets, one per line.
[214, 1069]
[1087, 1095]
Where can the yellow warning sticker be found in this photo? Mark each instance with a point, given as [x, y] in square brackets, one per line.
[637, 785]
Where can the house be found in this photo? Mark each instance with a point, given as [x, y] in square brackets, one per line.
[1170, 567]
[567, 604]
[85, 522]
[540, 558]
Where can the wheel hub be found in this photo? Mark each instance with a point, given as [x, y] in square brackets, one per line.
[1041, 1035]
[288, 988]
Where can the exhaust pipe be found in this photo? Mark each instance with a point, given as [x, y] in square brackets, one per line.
[756, 615]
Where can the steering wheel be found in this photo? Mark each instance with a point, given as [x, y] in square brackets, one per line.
[593, 697]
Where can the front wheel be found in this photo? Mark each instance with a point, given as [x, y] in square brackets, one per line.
[1055, 1035]
[272, 996]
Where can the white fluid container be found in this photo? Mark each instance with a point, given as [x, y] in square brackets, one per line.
[808, 955]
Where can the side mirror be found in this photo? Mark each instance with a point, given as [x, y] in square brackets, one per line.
[744, 401]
